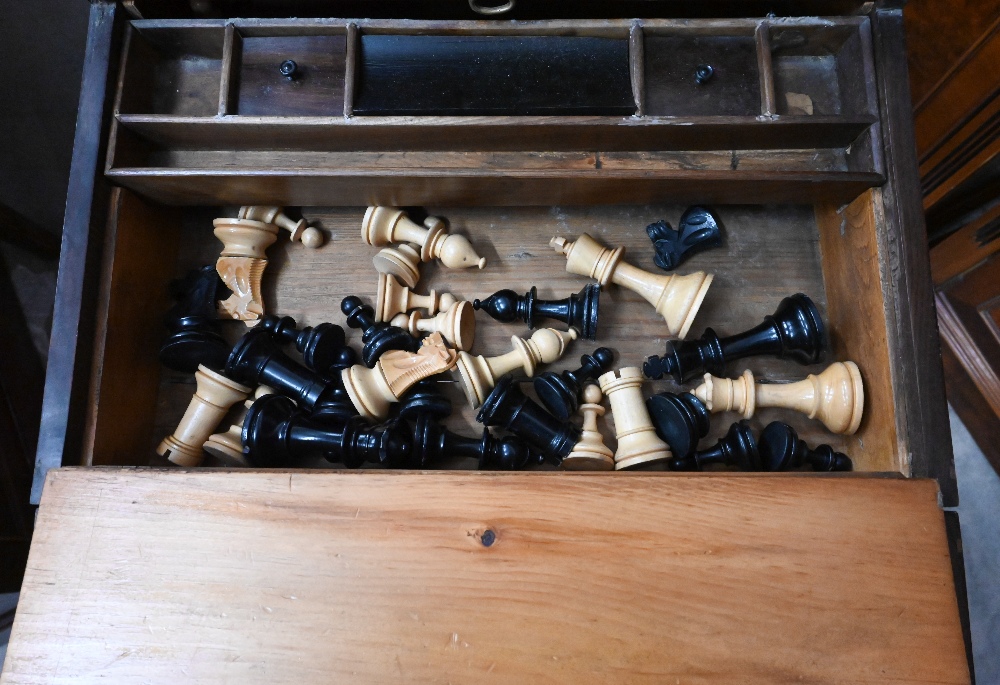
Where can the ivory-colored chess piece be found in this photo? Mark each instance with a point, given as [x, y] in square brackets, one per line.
[590, 454]
[457, 325]
[402, 262]
[637, 439]
[478, 374]
[227, 447]
[241, 265]
[393, 299]
[385, 225]
[299, 230]
[214, 395]
[373, 390]
[676, 298]
[836, 396]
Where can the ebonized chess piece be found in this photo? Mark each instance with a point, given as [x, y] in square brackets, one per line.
[424, 398]
[510, 409]
[478, 374]
[257, 360]
[392, 299]
[277, 434]
[241, 265]
[836, 396]
[432, 442]
[681, 420]
[590, 454]
[637, 439]
[299, 231]
[457, 325]
[737, 448]
[795, 331]
[214, 395]
[781, 449]
[227, 446]
[560, 393]
[384, 225]
[401, 262]
[578, 311]
[373, 390]
[378, 337]
[698, 230]
[321, 346]
[192, 322]
[676, 298]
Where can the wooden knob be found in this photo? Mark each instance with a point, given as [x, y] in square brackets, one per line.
[637, 439]
[385, 225]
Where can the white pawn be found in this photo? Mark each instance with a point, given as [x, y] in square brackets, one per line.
[310, 237]
[385, 225]
[457, 325]
[590, 454]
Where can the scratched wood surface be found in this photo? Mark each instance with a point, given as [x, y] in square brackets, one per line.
[769, 253]
[257, 577]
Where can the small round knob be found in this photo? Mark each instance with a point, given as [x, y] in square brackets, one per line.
[592, 393]
[289, 69]
[312, 237]
[703, 73]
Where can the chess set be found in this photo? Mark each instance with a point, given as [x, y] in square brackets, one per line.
[271, 393]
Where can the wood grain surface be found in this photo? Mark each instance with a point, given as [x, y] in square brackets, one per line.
[156, 577]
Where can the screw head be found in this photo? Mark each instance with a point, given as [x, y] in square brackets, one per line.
[289, 69]
[703, 73]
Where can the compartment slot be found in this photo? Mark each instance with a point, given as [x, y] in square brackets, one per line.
[175, 71]
[316, 90]
[449, 75]
[673, 90]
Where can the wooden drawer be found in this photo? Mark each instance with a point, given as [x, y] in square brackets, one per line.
[176, 130]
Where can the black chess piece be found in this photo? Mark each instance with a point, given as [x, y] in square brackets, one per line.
[560, 393]
[795, 331]
[378, 337]
[320, 346]
[276, 434]
[257, 360]
[432, 442]
[681, 420]
[737, 448]
[508, 408]
[579, 311]
[193, 322]
[781, 449]
[424, 398]
[698, 230]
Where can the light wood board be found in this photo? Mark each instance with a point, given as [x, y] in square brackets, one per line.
[146, 576]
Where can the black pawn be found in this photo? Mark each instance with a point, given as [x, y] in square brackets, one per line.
[560, 393]
[508, 408]
[192, 323]
[276, 434]
[378, 337]
[257, 360]
[680, 420]
[795, 331]
[698, 230]
[579, 311]
[432, 442]
[320, 346]
[781, 449]
[737, 448]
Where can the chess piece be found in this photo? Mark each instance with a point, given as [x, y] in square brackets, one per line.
[214, 395]
[276, 434]
[242, 265]
[637, 439]
[401, 262]
[681, 420]
[227, 446]
[836, 396]
[378, 337]
[737, 448]
[310, 237]
[781, 449]
[676, 298]
[507, 407]
[560, 393]
[373, 390]
[192, 322]
[795, 331]
[698, 230]
[424, 398]
[579, 310]
[478, 374]
[393, 299]
[320, 346]
[590, 454]
[457, 325]
[432, 442]
[257, 360]
[385, 225]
